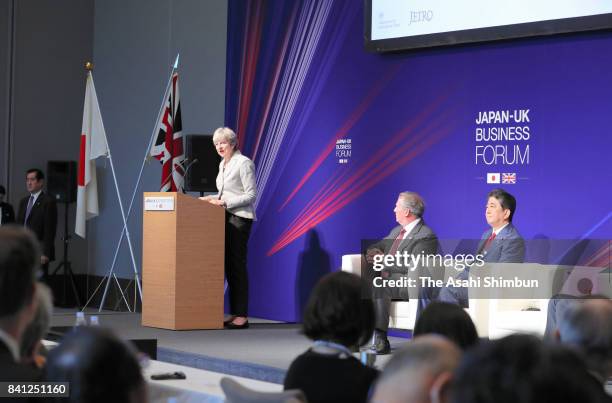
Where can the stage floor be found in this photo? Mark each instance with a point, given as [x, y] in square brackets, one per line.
[263, 352]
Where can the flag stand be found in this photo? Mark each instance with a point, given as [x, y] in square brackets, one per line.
[66, 264]
[111, 272]
[107, 278]
[127, 235]
[124, 230]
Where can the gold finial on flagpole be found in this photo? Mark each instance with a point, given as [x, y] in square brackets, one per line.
[89, 66]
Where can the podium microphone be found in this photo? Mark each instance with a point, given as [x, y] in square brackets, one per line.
[187, 170]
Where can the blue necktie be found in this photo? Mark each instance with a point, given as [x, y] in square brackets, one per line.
[28, 210]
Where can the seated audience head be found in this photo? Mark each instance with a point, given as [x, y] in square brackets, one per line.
[99, 367]
[501, 206]
[448, 320]
[520, 368]
[588, 327]
[19, 258]
[31, 341]
[2, 193]
[337, 312]
[420, 372]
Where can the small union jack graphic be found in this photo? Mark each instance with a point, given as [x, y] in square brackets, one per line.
[508, 178]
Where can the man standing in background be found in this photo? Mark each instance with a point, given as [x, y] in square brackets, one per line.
[7, 214]
[38, 212]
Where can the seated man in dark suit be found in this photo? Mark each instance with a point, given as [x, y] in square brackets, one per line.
[7, 214]
[502, 243]
[19, 259]
[410, 237]
[38, 212]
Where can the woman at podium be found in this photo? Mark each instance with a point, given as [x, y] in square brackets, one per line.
[237, 193]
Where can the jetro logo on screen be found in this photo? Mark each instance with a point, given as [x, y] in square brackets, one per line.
[420, 16]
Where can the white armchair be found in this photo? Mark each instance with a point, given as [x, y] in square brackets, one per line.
[402, 314]
[499, 312]
[496, 313]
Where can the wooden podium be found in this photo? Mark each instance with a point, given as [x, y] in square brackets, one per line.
[182, 262]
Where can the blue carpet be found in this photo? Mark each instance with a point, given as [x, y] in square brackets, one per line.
[230, 367]
[404, 334]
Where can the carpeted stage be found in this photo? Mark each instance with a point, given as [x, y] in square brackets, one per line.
[262, 352]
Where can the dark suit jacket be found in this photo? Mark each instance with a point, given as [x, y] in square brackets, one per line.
[507, 247]
[8, 214]
[42, 221]
[13, 371]
[420, 239]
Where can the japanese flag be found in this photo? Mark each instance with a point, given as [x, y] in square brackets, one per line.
[93, 145]
[493, 177]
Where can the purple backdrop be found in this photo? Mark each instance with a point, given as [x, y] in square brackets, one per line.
[301, 90]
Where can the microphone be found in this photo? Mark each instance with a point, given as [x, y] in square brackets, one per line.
[187, 170]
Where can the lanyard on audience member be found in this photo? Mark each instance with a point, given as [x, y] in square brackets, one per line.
[333, 346]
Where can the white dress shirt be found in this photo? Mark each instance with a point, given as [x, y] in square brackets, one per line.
[497, 231]
[410, 227]
[11, 344]
[35, 196]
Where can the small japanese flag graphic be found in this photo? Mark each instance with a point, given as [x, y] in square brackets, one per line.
[493, 177]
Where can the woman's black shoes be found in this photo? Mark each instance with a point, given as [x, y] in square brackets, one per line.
[232, 325]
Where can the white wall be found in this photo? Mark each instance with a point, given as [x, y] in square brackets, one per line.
[132, 43]
[135, 43]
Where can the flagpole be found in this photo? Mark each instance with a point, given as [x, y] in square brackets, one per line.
[124, 230]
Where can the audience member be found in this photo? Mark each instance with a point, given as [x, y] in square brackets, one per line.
[339, 320]
[588, 327]
[421, 372]
[33, 352]
[448, 320]
[19, 259]
[7, 214]
[520, 368]
[557, 306]
[578, 288]
[99, 367]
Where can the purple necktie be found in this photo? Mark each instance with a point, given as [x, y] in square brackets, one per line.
[28, 209]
